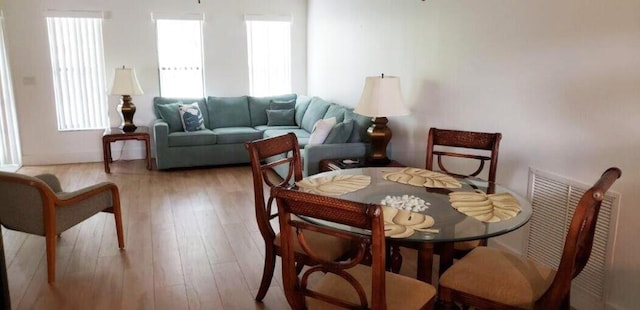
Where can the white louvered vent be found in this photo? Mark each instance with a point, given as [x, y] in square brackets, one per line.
[554, 200]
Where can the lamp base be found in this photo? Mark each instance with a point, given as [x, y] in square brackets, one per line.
[127, 109]
[380, 136]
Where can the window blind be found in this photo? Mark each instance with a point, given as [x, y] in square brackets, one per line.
[77, 63]
[269, 51]
[180, 58]
[10, 157]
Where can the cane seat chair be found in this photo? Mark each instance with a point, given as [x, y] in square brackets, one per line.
[488, 278]
[463, 142]
[38, 205]
[346, 284]
[265, 155]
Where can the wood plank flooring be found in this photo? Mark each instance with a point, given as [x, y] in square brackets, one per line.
[191, 242]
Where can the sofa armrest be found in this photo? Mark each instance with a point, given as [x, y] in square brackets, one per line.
[313, 154]
[160, 133]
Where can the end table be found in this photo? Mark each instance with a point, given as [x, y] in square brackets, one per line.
[114, 134]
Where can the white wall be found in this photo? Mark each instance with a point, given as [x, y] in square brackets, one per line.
[559, 79]
[129, 39]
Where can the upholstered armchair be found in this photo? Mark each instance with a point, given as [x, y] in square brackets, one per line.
[37, 205]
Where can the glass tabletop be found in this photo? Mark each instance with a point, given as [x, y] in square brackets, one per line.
[451, 224]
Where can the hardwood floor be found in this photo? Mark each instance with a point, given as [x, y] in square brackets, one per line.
[191, 242]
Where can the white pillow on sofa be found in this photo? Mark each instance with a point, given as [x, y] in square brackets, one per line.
[321, 130]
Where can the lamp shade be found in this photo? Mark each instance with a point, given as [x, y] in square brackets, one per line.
[125, 82]
[381, 97]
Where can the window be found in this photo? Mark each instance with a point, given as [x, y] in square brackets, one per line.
[180, 58]
[77, 62]
[269, 45]
[10, 158]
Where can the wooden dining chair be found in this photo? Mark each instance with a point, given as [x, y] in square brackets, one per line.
[38, 205]
[265, 155]
[489, 278]
[488, 143]
[347, 284]
[464, 142]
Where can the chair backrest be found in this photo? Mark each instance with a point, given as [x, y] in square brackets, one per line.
[578, 242]
[353, 214]
[23, 202]
[464, 139]
[286, 147]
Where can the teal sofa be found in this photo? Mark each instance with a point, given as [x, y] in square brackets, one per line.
[231, 121]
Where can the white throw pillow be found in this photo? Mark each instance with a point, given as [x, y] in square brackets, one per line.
[191, 117]
[321, 130]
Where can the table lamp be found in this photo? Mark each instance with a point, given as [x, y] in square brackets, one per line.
[381, 97]
[125, 83]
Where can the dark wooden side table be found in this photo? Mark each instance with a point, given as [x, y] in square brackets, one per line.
[348, 163]
[114, 134]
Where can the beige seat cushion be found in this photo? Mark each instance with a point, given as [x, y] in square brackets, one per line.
[329, 248]
[499, 276]
[401, 292]
[466, 245]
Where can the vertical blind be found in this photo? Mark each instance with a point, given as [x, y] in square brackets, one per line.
[180, 58]
[269, 51]
[77, 62]
[10, 157]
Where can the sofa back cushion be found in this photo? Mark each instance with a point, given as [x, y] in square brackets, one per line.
[336, 111]
[167, 109]
[316, 111]
[258, 107]
[360, 125]
[228, 112]
[302, 103]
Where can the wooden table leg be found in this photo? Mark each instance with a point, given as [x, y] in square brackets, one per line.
[148, 146]
[425, 262]
[446, 256]
[106, 154]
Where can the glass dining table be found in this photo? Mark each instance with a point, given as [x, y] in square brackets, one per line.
[450, 225]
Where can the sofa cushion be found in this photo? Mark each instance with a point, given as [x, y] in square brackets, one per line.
[170, 113]
[258, 107]
[263, 128]
[302, 103]
[316, 111]
[200, 137]
[228, 112]
[340, 133]
[281, 117]
[191, 117]
[336, 111]
[228, 135]
[321, 130]
[301, 134]
[360, 126]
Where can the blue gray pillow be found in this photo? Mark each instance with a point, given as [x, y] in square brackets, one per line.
[169, 113]
[281, 117]
[340, 133]
[282, 104]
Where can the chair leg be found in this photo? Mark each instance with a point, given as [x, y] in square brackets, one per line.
[50, 240]
[117, 214]
[267, 272]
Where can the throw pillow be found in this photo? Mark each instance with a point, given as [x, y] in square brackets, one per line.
[191, 117]
[340, 133]
[282, 105]
[170, 114]
[321, 130]
[281, 117]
